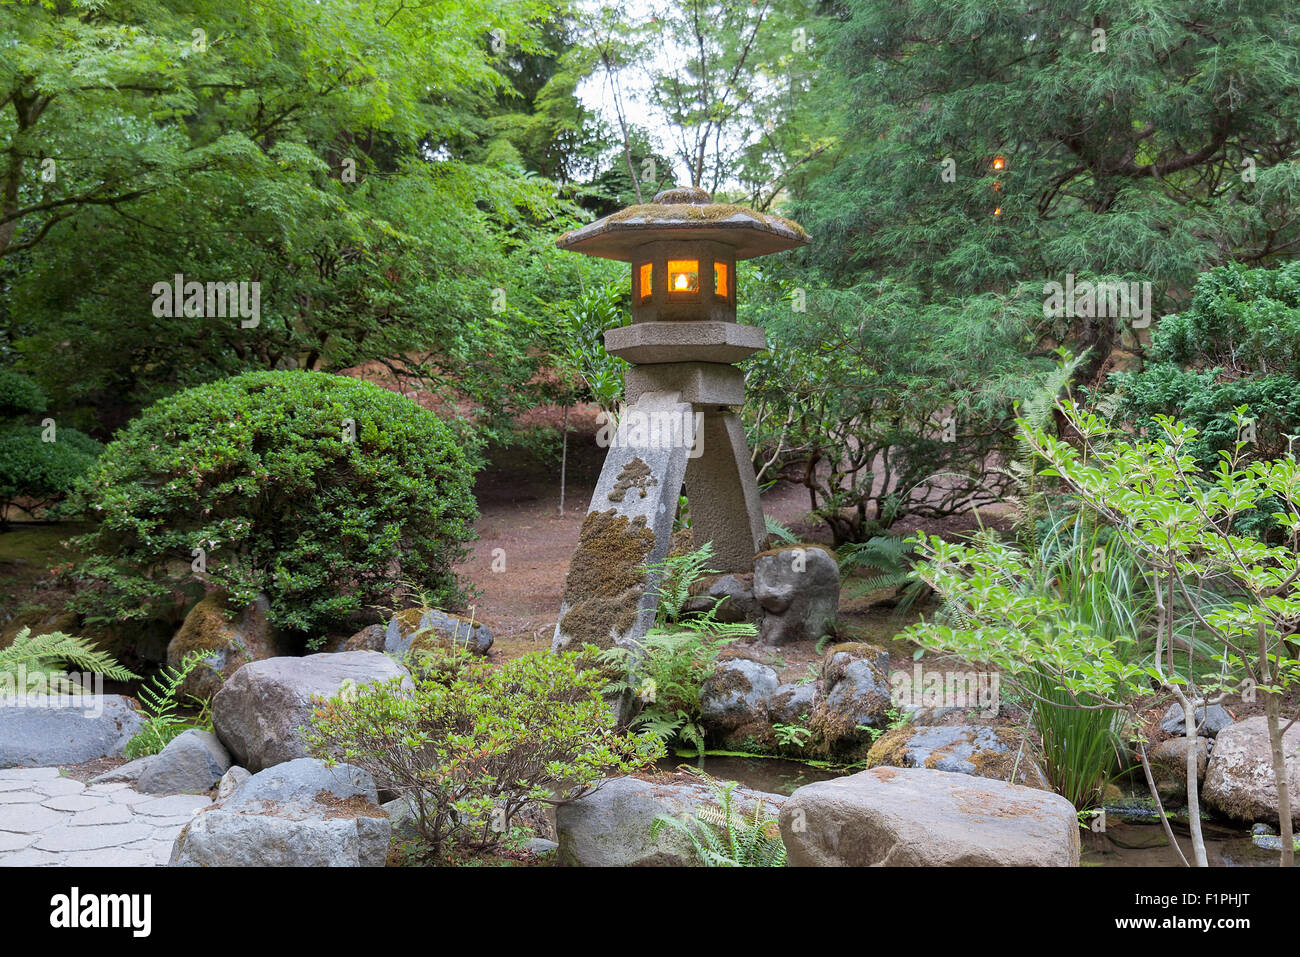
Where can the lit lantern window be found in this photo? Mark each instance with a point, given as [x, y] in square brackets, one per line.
[683, 275]
[720, 280]
[647, 275]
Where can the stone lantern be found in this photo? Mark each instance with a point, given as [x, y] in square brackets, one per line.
[680, 422]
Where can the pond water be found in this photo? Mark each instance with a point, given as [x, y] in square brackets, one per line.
[774, 775]
[1126, 842]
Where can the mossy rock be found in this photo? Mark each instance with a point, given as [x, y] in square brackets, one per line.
[42, 621]
[229, 639]
[980, 750]
[422, 630]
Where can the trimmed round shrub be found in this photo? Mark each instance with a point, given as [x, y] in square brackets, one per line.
[38, 465]
[322, 492]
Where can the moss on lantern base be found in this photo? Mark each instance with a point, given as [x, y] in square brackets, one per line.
[606, 579]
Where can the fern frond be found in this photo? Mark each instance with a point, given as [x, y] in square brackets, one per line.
[46, 652]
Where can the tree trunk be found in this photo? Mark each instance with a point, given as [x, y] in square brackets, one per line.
[564, 456]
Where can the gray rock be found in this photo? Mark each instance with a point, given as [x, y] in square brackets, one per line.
[918, 817]
[1239, 780]
[1168, 761]
[231, 780]
[792, 703]
[296, 814]
[1207, 725]
[736, 694]
[401, 815]
[798, 589]
[45, 731]
[538, 846]
[258, 713]
[421, 629]
[192, 763]
[736, 594]
[978, 750]
[857, 692]
[611, 827]
[127, 773]
[302, 781]
[279, 838]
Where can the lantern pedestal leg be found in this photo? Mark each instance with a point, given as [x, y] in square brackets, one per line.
[610, 594]
[723, 493]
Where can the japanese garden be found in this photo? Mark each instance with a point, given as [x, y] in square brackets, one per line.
[546, 434]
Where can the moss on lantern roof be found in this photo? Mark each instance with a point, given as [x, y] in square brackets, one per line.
[704, 213]
[613, 234]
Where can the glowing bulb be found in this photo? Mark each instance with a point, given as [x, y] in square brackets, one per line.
[999, 162]
[681, 281]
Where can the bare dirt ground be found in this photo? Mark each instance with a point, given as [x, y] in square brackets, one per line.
[524, 536]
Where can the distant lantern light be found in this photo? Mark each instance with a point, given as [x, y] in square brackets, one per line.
[999, 162]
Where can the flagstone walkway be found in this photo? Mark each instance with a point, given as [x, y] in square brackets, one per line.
[47, 819]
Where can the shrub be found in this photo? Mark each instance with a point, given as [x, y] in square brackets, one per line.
[470, 746]
[322, 492]
[1237, 343]
[37, 467]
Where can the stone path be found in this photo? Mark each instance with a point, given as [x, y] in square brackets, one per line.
[47, 819]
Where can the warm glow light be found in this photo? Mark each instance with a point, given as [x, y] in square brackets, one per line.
[683, 275]
[999, 162]
[720, 280]
[998, 211]
[646, 276]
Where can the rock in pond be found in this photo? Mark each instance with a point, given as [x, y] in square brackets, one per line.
[1168, 761]
[1239, 780]
[979, 750]
[1207, 724]
[39, 730]
[919, 817]
[611, 826]
[258, 713]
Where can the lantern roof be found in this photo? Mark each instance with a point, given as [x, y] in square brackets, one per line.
[684, 213]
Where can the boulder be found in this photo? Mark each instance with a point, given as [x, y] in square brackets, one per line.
[1168, 761]
[38, 730]
[1239, 779]
[611, 826]
[297, 814]
[420, 629]
[1207, 725]
[798, 589]
[258, 713]
[127, 773]
[855, 697]
[979, 750]
[919, 817]
[734, 702]
[191, 763]
[231, 780]
[734, 591]
[369, 638]
[792, 703]
[228, 643]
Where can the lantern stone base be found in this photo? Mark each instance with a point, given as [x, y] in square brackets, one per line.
[700, 383]
[611, 591]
